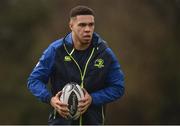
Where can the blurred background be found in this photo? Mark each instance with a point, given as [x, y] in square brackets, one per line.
[144, 35]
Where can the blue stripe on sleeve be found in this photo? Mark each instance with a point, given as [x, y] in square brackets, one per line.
[38, 79]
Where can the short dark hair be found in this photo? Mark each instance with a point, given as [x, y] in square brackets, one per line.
[81, 10]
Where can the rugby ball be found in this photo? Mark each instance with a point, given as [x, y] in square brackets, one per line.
[71, 94]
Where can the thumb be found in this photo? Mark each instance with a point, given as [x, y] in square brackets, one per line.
[59, 94]
[84, 90]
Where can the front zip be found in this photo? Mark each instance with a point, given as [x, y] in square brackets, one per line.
[82, 74]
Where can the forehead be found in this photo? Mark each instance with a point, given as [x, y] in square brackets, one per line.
[84, 18]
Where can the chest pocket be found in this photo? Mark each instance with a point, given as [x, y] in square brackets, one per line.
[95, 77]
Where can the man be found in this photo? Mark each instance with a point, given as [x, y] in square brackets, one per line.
[82, 56]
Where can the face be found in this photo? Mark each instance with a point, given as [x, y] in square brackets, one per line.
[82, 27]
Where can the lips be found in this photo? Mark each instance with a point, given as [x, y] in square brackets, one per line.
[86, 36]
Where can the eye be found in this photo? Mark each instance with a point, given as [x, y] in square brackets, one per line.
[82, 24]
[91, 24]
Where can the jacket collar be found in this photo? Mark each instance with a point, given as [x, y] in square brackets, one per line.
[97, 42]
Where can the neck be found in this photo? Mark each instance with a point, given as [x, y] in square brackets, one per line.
[79, 46]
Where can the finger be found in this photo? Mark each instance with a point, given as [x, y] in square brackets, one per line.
[63, 114]
[83, 99]
[64, 109]
[83, 110]
[84, 90]
[83, 107]
[85, 93]
[82, 104]
[59, 94]
[62, 104]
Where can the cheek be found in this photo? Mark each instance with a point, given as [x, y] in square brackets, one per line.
[92, 28]
[76, 29]
[80, 31]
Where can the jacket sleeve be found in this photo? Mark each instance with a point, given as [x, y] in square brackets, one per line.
[115, 82]
[38, 79]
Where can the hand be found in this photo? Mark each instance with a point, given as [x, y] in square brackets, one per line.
[60, 107]
[85, 102]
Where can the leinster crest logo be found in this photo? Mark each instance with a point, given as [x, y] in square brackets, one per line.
[99, 63]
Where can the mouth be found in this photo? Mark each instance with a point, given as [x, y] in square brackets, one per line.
[87, 36]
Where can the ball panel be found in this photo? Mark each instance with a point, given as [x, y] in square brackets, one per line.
[80, 91]
[71, 94]
[73, 103]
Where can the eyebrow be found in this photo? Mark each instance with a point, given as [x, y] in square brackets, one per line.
[84, 24]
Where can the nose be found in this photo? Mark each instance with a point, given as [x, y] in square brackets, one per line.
[87, 29]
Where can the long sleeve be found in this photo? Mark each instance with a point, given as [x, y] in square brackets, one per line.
[38, 79]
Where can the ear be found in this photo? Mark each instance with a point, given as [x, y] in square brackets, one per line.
[71, 24]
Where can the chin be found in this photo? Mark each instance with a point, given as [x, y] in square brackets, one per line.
[86, 41]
